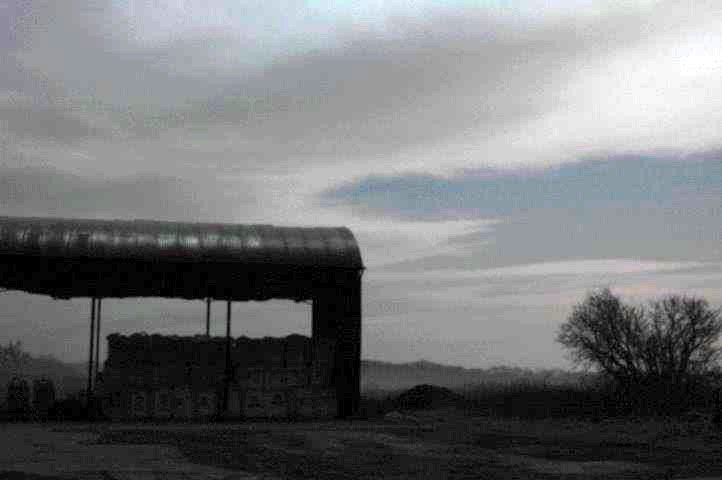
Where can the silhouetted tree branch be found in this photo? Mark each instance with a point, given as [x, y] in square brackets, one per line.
[668, 345]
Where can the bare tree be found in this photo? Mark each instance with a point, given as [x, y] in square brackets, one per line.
[602, 332]
[670, 343]
[682, 337]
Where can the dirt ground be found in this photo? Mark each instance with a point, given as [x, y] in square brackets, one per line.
[437, 444]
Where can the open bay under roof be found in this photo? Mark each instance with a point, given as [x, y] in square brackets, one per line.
[67, 258]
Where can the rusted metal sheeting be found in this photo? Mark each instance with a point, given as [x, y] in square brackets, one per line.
[179, 242]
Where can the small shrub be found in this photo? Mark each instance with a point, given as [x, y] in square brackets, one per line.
[595, 401]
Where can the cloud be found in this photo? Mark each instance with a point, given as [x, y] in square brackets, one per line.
[384, 242]
[647, 207]
[434, 89]
[630, 180]
[548, 284]
[423, 126]
[613, 266]
[342, 93]
[51, 192]
[27, 118]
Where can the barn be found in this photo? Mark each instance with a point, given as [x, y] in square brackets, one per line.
[166, 376]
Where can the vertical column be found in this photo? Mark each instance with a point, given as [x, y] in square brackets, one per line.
[89, 390]
[324, 336]
[349, 349]
[315, 317]
[337, 322]
[208, 317]
[228, 370]
[98, 315]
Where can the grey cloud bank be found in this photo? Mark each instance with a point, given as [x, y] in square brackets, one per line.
[427, 128]
[587, 184]
[429, 83]
[35, 191]
[654, 207]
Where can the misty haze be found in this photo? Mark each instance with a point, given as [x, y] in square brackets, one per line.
[458, 239]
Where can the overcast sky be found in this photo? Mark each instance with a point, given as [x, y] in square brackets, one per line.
[495, 159]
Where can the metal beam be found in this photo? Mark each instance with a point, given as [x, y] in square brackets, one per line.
[89, 390]
[98, 317]
[208, 317]
[228, 372]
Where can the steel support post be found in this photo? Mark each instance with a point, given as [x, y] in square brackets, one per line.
[228, 370]
[89, 390]
[208, 317]
[98, 317]
[348, 350]
[353, 336]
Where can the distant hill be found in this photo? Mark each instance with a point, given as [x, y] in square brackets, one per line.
[383, 376]
[376, 375]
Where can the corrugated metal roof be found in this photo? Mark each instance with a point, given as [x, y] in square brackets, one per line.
[180, 242]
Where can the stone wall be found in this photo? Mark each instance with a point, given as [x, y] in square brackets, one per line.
[155, 376]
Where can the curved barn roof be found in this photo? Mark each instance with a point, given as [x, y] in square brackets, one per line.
[173, 241]
[206, 247]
